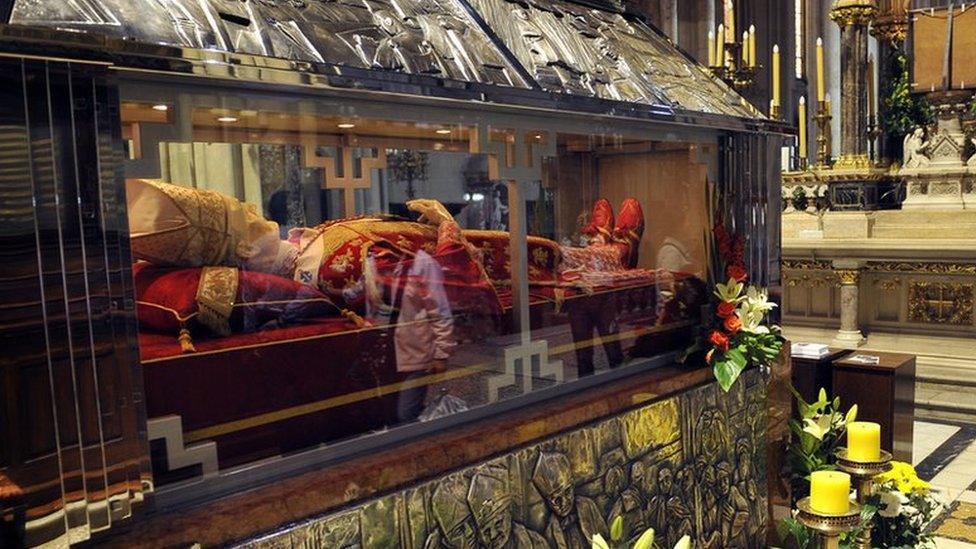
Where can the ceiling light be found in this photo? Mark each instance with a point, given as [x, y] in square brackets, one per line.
[346, 126]
[161, 107]
[444, 131]
[227, 119]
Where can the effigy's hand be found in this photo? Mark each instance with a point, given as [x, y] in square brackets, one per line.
[431, 211]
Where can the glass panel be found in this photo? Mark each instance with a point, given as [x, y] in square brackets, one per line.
[313, 271]
[631, 217]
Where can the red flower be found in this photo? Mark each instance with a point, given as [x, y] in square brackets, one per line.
[732, 325]
[719, 340]
[726, 309]
[738, 272]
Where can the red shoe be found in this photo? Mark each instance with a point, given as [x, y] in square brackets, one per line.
[629, 230]
[601, 221]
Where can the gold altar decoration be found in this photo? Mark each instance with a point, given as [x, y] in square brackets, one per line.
[941, 303]
[848, 277]
[853, 12]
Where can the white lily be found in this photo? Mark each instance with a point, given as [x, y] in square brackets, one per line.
[731, 291]
[758, 299]
[599, 542]
[817, 428]
[684, 542]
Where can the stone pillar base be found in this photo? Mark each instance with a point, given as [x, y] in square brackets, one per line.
[848, 339]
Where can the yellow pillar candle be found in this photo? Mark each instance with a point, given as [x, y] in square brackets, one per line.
[803, 127]
[821, 85]
[776, 97]
[863, 441]
[830, 492]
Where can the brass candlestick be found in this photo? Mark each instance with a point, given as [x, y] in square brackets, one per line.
[822, 118]
[863, 474]
[735, 72]
[874, 131]
[829, 527]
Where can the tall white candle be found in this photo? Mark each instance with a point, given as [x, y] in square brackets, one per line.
[711, 48]
[776, 80]
[821, 84]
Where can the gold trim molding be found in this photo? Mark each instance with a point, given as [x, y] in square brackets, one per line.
[921, 267]
[806, 265]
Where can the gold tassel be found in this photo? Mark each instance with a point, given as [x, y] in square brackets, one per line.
[358, 320]
[560, 295]
[186, 342]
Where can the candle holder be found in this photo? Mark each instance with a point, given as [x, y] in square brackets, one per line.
[863, 472]
[828, 526]
[823, 118]
[735, 72]
[874, 132]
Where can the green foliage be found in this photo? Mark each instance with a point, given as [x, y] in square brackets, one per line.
[900, 110]
[815, 434]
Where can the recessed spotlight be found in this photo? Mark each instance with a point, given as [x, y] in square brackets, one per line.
[227, 119]
[161, 107]
[346, 126]
[444, 131]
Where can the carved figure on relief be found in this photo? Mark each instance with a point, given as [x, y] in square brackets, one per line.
[972, 159]
[914, 145]
[490, 501]
[630, 504]
[455, 526]
[669, 513]
[743, 480]
[573, 519]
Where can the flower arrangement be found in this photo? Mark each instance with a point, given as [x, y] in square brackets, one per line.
[903, 508]
[738, 335]
[815, 435]
[645, 541]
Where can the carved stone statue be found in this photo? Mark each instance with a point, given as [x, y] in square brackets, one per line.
[914, 145]
[574, 519]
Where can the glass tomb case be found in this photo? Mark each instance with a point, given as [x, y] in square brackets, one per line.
[249, 238]
[366, 262]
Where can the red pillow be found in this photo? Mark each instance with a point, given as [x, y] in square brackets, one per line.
[167, 299]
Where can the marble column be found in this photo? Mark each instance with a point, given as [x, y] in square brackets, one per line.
[849, 335]
[853, 18]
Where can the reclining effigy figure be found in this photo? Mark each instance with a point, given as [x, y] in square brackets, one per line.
[171, 225]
